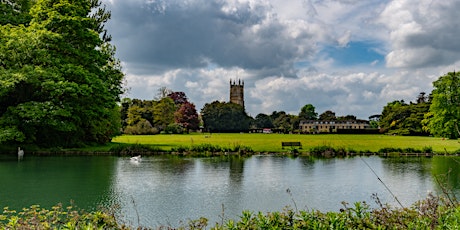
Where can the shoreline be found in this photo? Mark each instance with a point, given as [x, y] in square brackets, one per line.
[325, 154]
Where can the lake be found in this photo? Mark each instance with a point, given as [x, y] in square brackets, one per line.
[171, 190]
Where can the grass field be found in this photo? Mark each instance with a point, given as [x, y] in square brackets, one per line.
[272, 142]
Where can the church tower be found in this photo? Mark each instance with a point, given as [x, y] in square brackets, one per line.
[237, 92]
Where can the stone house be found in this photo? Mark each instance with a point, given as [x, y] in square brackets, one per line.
[318, 126]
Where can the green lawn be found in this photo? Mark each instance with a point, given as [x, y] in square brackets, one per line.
[272, 142]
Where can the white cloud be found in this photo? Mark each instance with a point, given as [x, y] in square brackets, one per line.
[422, 33]
[278, 48]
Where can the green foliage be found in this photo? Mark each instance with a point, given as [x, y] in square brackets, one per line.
[138, 116]
[328, 116]
[307, 112]
[209, 149]
[318, 150]
[15, 12]
[225, 117]
[134, 150]
[263, 121]
[59, 80]
[142, 127]
[444, 116]
[431, 213]
[158, 116]
[163, 112]
[400, 118]
[427, 214]
[284, 122]
[173, 129]
[36, 217]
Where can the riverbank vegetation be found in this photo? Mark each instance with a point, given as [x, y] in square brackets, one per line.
[432, 213]
[205, 144]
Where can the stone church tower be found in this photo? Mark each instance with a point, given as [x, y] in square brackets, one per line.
[237, 92]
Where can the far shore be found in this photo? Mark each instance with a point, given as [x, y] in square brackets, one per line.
[245, 144]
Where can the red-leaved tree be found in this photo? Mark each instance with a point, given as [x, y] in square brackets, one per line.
[187, 116]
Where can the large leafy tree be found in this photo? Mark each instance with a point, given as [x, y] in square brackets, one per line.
[225, 117]
[187, 116]
[444, 113]
[59, 80]
[163, 113]
[307, 112]
[263, 121]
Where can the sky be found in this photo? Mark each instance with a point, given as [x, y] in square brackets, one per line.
[348, 56]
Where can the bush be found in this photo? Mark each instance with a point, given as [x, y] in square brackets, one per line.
[173, 129]
[134, 149]
[390, 150]
[57, 218]
[432, 213]
[141, 128]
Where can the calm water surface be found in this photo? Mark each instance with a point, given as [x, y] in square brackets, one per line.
[170, 191]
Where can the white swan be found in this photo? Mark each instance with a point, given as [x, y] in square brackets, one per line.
[20, 153]
[136, 158]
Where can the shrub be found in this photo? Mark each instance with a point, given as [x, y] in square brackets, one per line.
[173, 129]
[36, 217]
[141, 128]
[390, 150]
[134, 149]
[427, 149]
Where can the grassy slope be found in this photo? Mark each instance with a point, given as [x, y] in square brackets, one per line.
[272, 142]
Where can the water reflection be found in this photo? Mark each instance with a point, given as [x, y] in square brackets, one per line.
[446, 173]
[48, 181]
[167, 190]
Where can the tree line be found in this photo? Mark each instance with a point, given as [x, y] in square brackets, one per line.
[437, 114]
[171, 112]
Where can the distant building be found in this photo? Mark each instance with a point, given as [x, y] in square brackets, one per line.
[267, 130]
[237, 92]
[318, 126]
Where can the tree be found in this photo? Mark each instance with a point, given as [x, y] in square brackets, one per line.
[327, 116]
[59, 80]
[421, 98]
[347, 118]
[444, 112]
[225, 117]
[163, 113]
[263, 121]
[179, 98]
[374, 121]
[307, 112]
[401, 118]
[187, 116]
[162, 93]
[284, 122]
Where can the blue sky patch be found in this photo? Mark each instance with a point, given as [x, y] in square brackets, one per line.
[355, 53]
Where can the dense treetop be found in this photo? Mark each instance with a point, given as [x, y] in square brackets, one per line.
[59, 80]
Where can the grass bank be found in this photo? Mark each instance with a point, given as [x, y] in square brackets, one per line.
[245, 144]
[272, 142]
